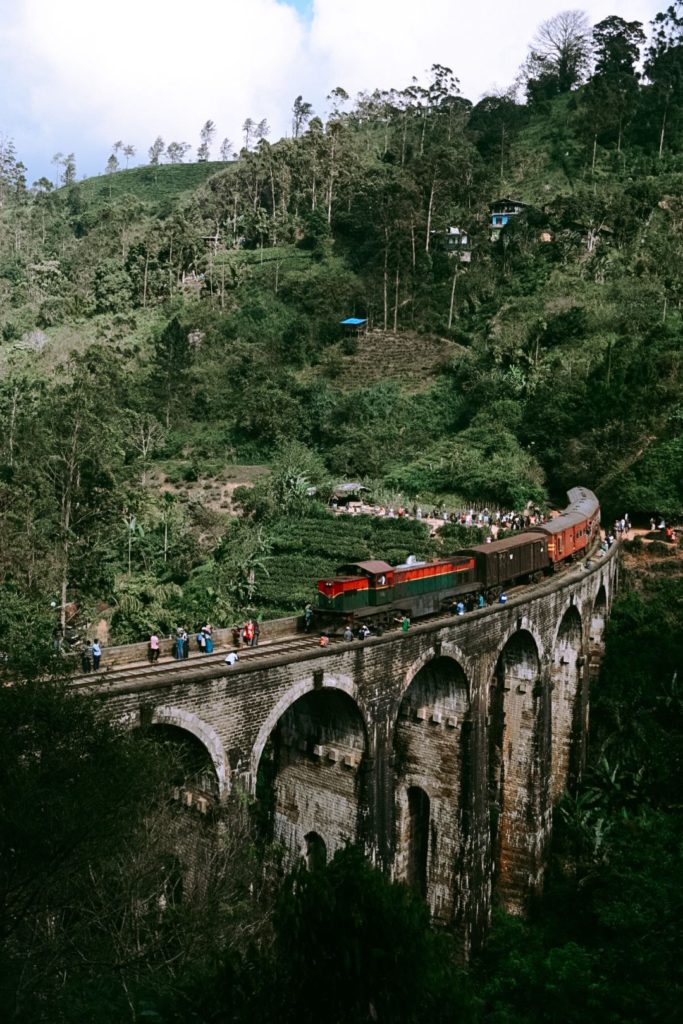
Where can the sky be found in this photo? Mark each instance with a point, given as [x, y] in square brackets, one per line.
[77, 75]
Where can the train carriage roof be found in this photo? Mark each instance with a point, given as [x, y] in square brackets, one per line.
[373, 567]
[519, 540]
[583, 505]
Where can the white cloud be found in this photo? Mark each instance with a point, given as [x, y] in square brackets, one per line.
[83, 74]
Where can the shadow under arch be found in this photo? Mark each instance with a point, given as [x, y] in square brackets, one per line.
[514, 771]
[342, 683]
[311, 773]
[565, 701]
[188, 723]
[433, 783]
[598, 617]
[315, 851]
[445, 650]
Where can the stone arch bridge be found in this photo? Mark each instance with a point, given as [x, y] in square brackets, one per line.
[441, 751]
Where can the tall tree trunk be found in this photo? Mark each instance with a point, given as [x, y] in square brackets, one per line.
[331, 184]
[450, 311]
[661, 134]
[396, 301]
[429, 213]
[386, 278]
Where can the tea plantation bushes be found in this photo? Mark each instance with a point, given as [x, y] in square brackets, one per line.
[303, 551]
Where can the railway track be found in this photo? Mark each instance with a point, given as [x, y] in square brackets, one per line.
[195, 665]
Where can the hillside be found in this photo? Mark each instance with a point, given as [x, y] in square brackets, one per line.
[181, 324]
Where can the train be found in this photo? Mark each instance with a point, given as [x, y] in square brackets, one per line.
[375, 592]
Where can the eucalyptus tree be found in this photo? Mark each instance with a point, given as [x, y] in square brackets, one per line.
[664, 68]
[206, 134]
[302, 113]
[177, 151]
[156, 151]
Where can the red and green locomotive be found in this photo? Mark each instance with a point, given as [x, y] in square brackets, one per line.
[379, 591]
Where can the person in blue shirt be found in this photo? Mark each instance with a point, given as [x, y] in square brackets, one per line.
[96, 652]
[503, 598]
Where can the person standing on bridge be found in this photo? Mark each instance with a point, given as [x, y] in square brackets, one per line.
[179, 645]
[154, 648]
[249, 633]
[96, 652]
[208, 639]
[308, 617]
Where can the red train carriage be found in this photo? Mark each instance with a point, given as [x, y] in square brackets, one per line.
[574, 530]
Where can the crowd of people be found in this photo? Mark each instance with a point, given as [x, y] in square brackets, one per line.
[492, 520]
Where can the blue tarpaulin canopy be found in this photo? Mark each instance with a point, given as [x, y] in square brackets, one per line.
[353, 321]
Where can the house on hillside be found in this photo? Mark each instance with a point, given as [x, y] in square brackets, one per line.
[455, 241]
[502, 211]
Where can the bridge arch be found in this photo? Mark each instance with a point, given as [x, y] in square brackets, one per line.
[446, 649]
[523, 624]
[310, 778]
[336, 682]
[598, 617]
[432, 766]
[187, 722]
[514, 778]
[315, 851]
[565, 700]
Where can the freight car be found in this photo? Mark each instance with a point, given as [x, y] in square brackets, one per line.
[376, 591]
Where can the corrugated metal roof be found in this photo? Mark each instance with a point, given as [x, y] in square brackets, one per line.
[348, 488]
[373, 567]
[501, 545]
